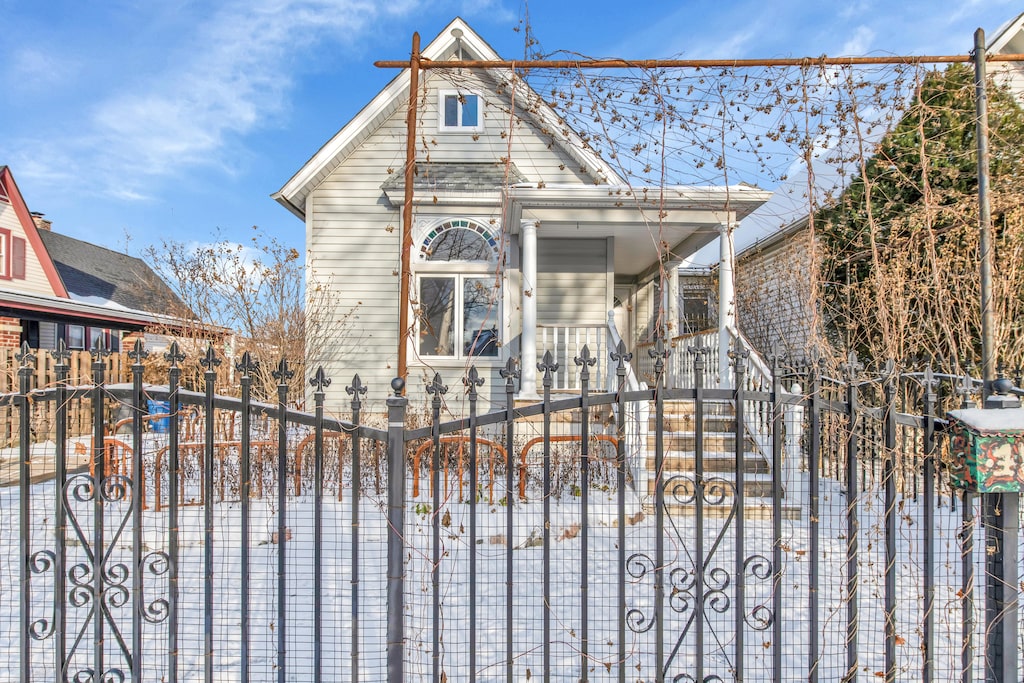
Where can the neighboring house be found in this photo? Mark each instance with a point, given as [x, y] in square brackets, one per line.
[55, 287]
[523, 239]
[777, 304]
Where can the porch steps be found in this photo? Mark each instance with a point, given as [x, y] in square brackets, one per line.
[719, 462]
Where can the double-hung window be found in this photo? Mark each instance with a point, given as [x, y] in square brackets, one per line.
[461, 111]
[459, 291]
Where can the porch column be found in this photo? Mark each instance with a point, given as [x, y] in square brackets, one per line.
[726, 300]
[528, 338]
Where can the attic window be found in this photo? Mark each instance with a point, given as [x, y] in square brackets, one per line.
[460, 112]
[4, 196]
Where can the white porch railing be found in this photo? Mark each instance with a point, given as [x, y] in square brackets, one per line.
[680, 373]
[566, 342]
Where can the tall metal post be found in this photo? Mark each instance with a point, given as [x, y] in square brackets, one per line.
[988, 359]
[396, 531]
[410, 176]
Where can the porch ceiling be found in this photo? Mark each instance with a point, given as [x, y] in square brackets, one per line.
[645, 223]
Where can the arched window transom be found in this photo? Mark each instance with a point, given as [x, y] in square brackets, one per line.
[459, 240]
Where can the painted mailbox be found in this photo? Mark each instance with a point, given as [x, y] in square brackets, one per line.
[987, 449]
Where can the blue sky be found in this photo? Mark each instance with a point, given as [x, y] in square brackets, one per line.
[130, 120]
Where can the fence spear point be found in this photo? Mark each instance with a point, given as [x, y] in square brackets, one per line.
[25, 356]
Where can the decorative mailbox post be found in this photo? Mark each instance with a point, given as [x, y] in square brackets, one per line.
[987, 449]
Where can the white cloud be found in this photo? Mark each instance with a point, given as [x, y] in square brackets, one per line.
[226, 80]
[859, 43]
[32, 69]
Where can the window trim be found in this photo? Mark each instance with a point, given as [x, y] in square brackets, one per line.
[492, 269]
[459, 128]
[459, 272]
[79, 346]
[5, 254]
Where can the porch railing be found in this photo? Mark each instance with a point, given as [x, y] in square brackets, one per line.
[566, 342]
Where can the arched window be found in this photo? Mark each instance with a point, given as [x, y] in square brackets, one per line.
[459, 291]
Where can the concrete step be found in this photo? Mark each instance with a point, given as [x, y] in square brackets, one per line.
[682, 461]
[686, 423]
[713, 441]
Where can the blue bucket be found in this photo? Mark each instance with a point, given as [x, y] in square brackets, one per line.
[163, 425]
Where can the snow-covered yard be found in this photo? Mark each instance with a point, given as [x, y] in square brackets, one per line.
[337, 616]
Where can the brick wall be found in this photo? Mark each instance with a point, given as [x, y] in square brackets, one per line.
[10, 332]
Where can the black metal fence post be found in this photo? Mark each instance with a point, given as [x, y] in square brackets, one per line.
[472, 380]
[510, 373]
[852, 523]
[138, 354]
[61, 368]
[319, 382]
[26, 359]
[549, 367]
[436, 389]
[283, 374]
[246, 366]
[621, 357]
[209, 362]
[356, 390]
[396, 532]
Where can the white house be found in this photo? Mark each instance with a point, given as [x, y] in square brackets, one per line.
[523, 239]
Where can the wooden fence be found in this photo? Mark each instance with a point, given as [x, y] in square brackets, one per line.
[79, 415]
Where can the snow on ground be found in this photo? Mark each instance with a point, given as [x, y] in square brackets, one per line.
[337, 620]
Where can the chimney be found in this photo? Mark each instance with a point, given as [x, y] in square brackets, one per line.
[41, 223]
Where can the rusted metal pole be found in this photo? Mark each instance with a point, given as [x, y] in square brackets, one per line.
[686, 63]
[988, 359]
[410, 174]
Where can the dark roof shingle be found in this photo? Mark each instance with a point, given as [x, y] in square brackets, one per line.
[93, 272]
[457, 177]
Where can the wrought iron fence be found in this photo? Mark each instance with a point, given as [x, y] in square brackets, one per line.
[246, 541]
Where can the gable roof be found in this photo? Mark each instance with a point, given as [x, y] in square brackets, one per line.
[96, 274]
[13, 195]
[457, 35]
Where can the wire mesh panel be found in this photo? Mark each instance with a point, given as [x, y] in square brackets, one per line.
[799, 528]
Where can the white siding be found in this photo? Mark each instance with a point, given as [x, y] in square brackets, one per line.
[35, 279]
[354, 236]
[572, 287]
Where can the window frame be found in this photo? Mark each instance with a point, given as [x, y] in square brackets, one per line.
[80, 329]
[5, 254]
[460, 271]
[460, 95]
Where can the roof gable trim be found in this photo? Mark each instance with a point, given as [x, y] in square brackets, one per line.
[31, 232]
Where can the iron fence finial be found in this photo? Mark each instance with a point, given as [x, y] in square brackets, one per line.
[472, 380]
[283, 372]
[510, 373]
[25, 356]
[246, 365]
[210, 361]
[137, 354]
[320, 380]
[174, 355]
